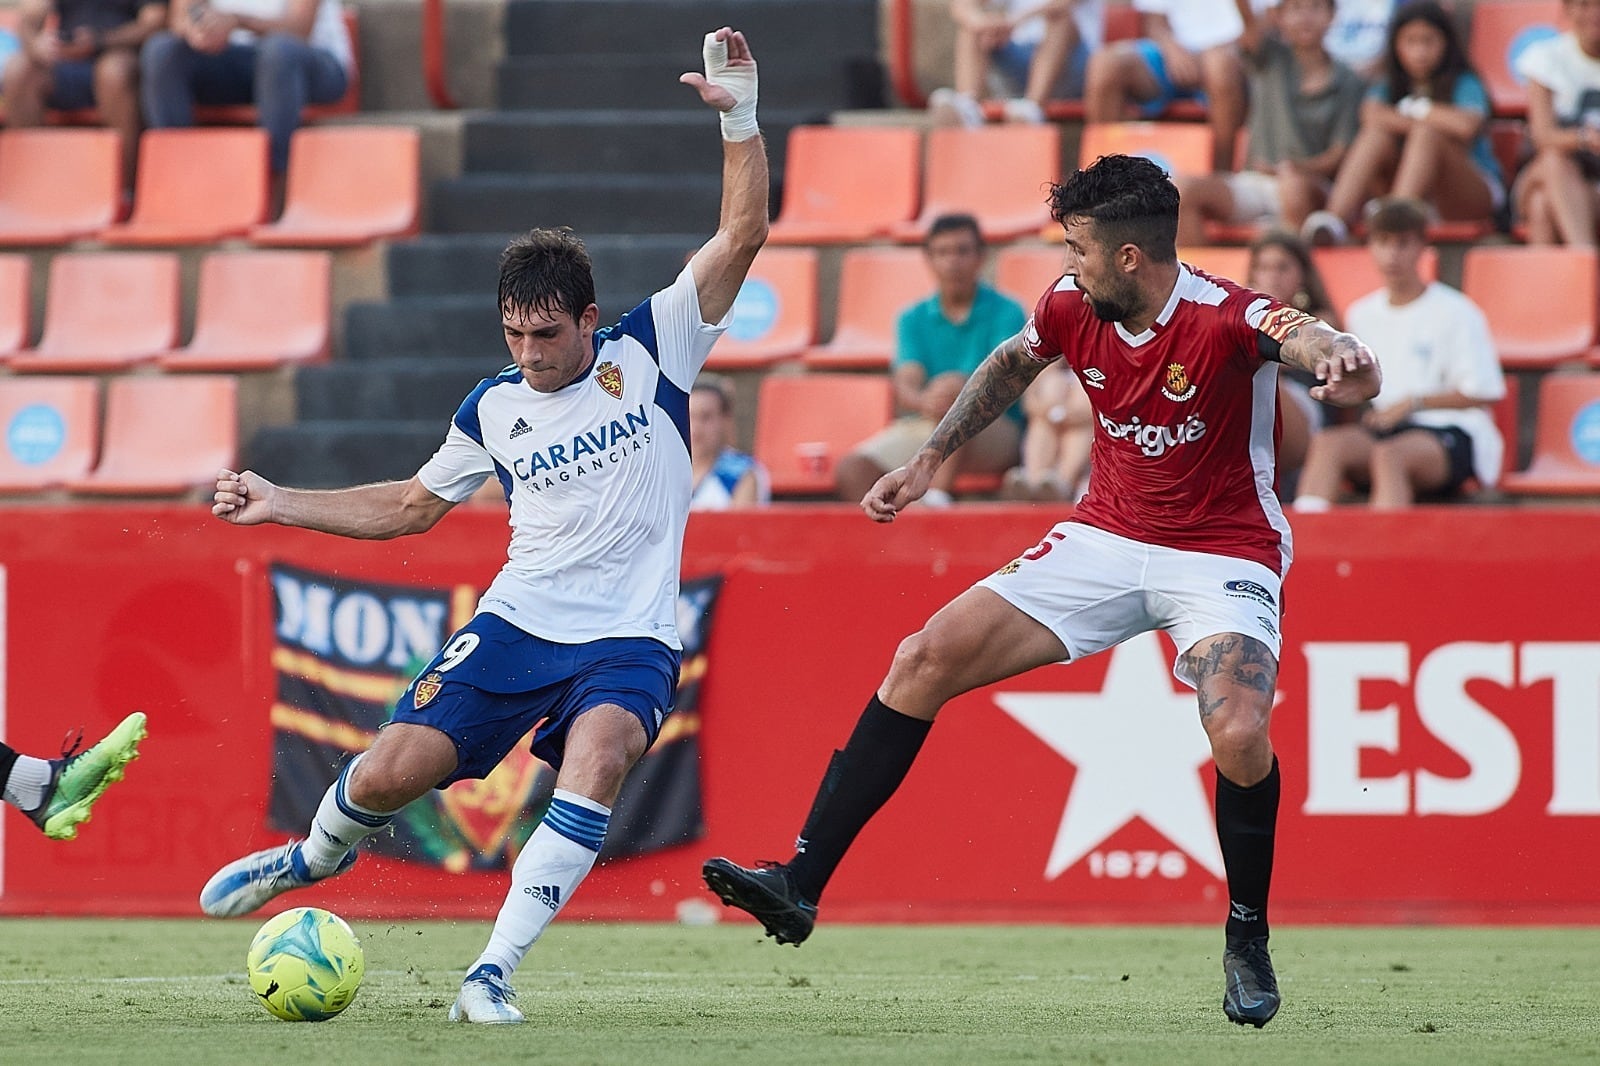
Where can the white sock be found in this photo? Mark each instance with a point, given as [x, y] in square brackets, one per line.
[24, 788]
[340, 825]
[553, 863]
[1311, 504]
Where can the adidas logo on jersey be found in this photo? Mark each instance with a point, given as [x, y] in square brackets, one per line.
[549, 895]
[519, 427]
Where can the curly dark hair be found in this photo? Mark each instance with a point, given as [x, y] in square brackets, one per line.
[1453, 64]
[1129, 199]
[546, 270]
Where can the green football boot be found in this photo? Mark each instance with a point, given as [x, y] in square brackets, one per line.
[78, 778]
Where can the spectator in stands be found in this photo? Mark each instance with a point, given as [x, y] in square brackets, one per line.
[89, 58]
[1281, 267]
[1305, 109]
[1039, 48]
[279, 55]
[724, 477]
[1557, 194]
[1189, 48]
[1055, 444]
[1429, 430]
[1422, 131]
[1358, 35]
[940, 341]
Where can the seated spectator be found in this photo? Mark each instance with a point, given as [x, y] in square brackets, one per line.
[1305, 108]
[1429, 431]
[1055, 444]
[1358, 34]
[1039, 49]
[1558, 192]
[89, 59]
[1423, 132]
[724, 477]
[1189, 49]
[939, 342]
[279, 55]
[1281, 267]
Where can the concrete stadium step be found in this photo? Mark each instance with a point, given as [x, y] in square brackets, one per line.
[320, 455]
[462, 329]
[621, 142]
[468, 265]
[834, 80]
[405, 390]
[589, 203]
[605, 27]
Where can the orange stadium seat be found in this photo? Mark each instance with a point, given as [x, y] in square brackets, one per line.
[49, 429]
[997, 173]
[1529, 331]
[1349, 273]
[1506, 420]
[57, 185]
[16, 304]
[875, 286]
[1231, 262]
[1022, 272]
[1501, 29]
[1181, 149]
[165, 435]
[847, 183]
[806, 422]
[236, 329]
[1566, 444]
[775, 314]
[105, 311]
[196, 186]
[348, 185]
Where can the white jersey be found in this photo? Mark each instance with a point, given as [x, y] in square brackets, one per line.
[597, 477]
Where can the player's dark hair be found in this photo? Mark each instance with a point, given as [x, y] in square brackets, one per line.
[546, 270]
[1453, 64]
[1398, 216]
[718, 386]
[1130, 200]
[954, 224]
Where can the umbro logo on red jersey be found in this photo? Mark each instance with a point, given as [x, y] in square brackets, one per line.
[1093, 378]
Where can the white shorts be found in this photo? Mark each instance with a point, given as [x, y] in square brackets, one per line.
[1093, 589]
[1255, 197]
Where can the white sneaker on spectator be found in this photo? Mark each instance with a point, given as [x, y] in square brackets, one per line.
[946, 107]
[1324, 228]
[1024, 111]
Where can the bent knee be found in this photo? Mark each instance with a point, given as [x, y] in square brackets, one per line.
[921, 659]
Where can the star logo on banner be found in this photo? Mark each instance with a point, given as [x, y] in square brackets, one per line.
[1137, 746]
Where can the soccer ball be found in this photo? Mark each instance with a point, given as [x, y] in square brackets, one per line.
[305, 965]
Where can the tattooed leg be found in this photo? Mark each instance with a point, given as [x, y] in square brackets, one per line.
[1235, 677]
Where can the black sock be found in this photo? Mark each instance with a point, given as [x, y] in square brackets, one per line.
[8, 759]
[860, 778]
[1247, 820]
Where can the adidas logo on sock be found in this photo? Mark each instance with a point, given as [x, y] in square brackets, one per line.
[519, 427]
[549, 895]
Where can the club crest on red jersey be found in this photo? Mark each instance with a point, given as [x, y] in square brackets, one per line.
[609, 375]
[1177, 385]
[427, 689]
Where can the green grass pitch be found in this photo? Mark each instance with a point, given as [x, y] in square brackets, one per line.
[173, 992]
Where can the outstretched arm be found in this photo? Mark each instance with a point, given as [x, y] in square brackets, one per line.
[729, 85]
[993, 387]
[367, 512]
[1347, 369]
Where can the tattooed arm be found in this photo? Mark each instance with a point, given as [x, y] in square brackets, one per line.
[992, 388]
[1347, 369]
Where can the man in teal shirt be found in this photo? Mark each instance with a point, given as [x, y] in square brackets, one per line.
[940, 342]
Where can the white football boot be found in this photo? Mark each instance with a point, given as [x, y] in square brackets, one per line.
[485, 998]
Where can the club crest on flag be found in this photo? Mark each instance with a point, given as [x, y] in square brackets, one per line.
[427, 689]
[485, 811]
[609, 375]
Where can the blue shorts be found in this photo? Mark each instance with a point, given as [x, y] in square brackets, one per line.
[1166, 91]
[492, 683]
[72, 85]
[1013, 60]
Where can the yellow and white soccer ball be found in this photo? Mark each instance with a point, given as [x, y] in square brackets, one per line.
[305, 965]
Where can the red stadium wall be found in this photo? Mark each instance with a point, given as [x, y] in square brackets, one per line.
[1439, 723]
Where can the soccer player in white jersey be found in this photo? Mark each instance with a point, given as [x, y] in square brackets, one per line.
[587, 433]
[1180, 531]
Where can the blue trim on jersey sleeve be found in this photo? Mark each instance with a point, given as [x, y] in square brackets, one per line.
[675, 402]
[466, 417]
[505, 477]
[731, 466]
[640, 324]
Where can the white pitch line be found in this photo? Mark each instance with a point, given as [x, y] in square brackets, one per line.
[652, 975]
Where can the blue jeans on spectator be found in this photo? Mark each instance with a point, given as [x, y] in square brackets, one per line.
[280, 74]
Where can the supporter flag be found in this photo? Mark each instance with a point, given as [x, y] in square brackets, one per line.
[344, 650]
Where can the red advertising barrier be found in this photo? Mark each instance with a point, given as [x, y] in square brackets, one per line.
[1438, 726]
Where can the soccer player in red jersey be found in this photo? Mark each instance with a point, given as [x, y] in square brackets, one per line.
[1180, 531]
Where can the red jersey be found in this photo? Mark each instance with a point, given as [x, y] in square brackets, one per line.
[1186, 416]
